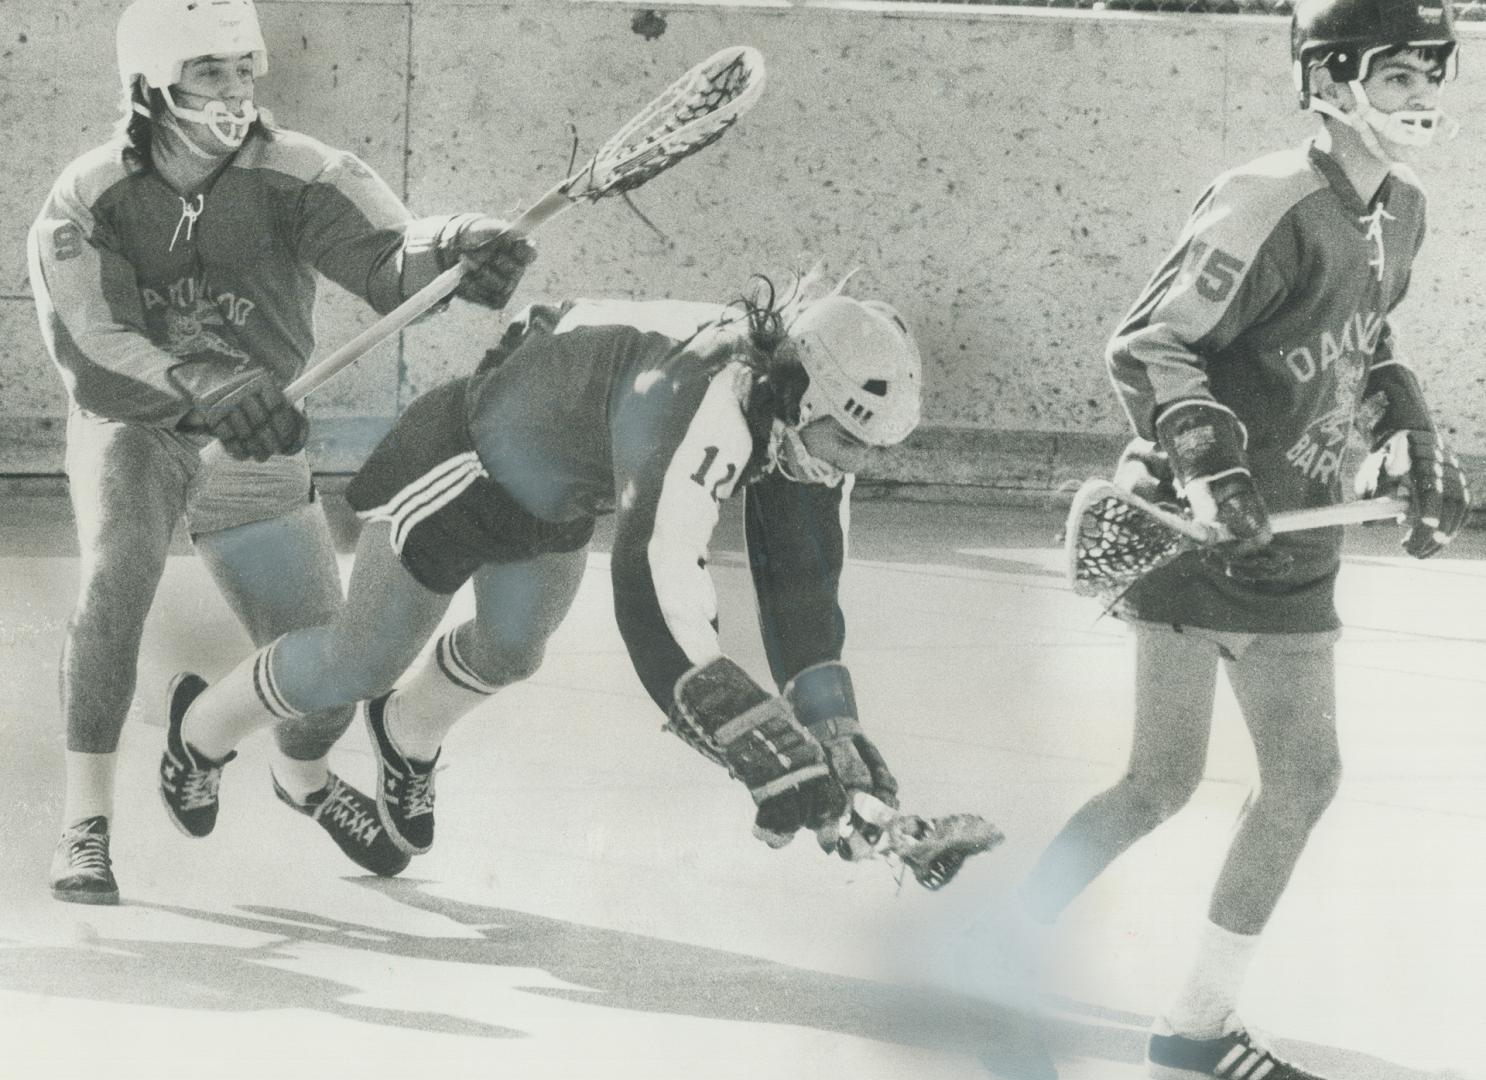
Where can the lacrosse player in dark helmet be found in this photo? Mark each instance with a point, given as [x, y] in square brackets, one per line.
[174, 271]
[654, 411]
[1244, 365]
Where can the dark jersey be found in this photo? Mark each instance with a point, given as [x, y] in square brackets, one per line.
[1275, 303]
[637, 408]
[129, 275]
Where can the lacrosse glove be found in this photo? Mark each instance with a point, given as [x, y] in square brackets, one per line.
[823, 700]
[1144, 469]
[495, 260]
[723, 714]
[1205, 443]
[1418, 466]
[242, 406]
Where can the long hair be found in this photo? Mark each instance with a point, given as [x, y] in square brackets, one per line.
[779, 378]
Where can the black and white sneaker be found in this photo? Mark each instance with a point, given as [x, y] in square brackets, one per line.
[404, 786]
[82, 872]
[351, 820]
[1235, 1055]
[188, 780]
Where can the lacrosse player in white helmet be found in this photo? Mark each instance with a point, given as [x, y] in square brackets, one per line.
[654, 411]
[1244, 367]
[174, 270]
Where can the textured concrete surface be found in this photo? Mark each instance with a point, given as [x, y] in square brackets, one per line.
[1007, 177]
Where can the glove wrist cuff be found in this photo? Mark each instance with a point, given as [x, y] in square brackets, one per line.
[822, 695]
[1204, 440]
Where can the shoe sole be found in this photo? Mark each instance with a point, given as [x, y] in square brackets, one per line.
[70, 896]
[1170, 1072]
[382, 811]
[175, 683]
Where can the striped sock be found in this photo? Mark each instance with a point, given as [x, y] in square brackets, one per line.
[247, 698]
[421, 712]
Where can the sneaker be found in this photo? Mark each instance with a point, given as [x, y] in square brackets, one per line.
[404, 786]
[352, 822]
[188, 780]
[1237, 1054]
[81, 868]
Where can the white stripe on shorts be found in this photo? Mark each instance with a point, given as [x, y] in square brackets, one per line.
[427, 495]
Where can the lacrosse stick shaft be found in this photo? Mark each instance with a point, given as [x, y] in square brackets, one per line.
[544, 209]
[1320, 517]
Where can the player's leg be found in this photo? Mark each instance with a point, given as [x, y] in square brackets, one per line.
[1286, 688]
[386, 619]
[518, 606]
[127, 487]
[1175, 683]
[280, 575]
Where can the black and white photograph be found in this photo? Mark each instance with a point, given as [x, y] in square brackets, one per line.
[769, 539]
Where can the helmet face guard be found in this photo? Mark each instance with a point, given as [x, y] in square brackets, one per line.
[156, 38]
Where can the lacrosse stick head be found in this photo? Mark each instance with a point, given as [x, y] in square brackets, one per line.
[1114, 538]
[935, 849]
[692, 113]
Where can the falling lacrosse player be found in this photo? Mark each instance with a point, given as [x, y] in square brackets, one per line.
[174, 272]
[654, 411]
[1243, 366]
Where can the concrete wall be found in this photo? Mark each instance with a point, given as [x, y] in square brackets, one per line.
[1007, 177]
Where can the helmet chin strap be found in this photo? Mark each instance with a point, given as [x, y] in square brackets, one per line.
[797, 463]
[1406, 127]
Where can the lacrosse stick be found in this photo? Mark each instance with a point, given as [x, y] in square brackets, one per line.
[1114, 537]
[934, 849]
[693, 112]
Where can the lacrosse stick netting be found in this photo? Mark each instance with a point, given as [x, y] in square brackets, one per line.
[1113, 539]
[692, 113]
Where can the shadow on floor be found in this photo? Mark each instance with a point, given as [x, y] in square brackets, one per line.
[614, 969]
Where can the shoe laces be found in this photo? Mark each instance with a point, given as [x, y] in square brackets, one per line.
[87, 850]
[199, 788]
[417, 794]
[341, 808]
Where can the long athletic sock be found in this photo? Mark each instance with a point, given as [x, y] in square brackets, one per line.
[90, 786]
[422, 711]
[299, 779]
[242, 701]
[1209, 997]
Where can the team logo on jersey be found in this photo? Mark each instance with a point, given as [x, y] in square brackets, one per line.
[1357, 337]
[191, 331]
[1317, 454]
[1374, 224]
[189, 294]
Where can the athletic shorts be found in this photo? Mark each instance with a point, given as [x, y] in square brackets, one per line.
[1234, 645]
[214, 491]
[448, 517]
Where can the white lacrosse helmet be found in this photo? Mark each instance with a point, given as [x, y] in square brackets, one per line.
[157, 37]
[864, 368]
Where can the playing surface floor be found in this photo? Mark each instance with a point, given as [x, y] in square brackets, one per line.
[596, 908]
